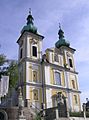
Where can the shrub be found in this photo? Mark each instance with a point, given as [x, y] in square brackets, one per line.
[76, 114]
[38, 117]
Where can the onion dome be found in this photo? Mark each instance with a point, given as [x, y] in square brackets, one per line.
[61, 41]
[30, 25]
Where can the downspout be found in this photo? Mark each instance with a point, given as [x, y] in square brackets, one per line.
[43, 85]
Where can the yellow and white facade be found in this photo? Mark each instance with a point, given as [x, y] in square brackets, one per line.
[43, 76]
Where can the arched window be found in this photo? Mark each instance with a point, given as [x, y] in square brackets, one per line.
[34, 51]
[21, 53]
[34, 76]
[73, 84]
[70, 62]
[75, 99]
[56, 58]
[57, 78]
[35, 94]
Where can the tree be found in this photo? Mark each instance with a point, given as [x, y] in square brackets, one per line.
[3, 68]
[9, 67]
[13, 73]
[2, 59]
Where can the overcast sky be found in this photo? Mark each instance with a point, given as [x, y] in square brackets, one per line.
[73, 16]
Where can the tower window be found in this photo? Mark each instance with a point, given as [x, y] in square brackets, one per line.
[57, 78]
[70, 62]
[75, 99]
[35, 94]
[56, 58]
[35, 76]
[34, 51]
[21, 53]
[73, 84]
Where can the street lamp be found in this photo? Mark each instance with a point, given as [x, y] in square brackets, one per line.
[84, 110]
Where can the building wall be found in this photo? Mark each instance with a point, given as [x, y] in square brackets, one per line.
[67, 77]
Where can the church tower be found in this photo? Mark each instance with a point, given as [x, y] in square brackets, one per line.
[61, 75]
[30, 57]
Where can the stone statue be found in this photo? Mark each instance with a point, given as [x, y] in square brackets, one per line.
[21, 106]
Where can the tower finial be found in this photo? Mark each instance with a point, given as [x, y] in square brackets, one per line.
[59, 25]
[60, 32]
[29, 11]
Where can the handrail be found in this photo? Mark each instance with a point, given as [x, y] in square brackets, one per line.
[35, 107]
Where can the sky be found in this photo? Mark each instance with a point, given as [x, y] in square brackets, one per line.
[73, 16]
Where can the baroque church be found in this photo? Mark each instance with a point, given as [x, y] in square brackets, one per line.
[43, 76]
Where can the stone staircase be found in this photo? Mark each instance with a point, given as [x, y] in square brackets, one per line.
[29, 113]
[13, 113]
[63, 119]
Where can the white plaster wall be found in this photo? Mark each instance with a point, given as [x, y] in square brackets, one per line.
[34, 66]
[50, 57]
[28, 46]
[48, 98]
[66, 79]
[61, 60]
[77, 118]
[65, 56]
[40, 45]
[36, 105]
[76, 78]
[27, 71]
[69, 96]
[76, 108]
[70, 101]
[24, 47]
[47, 74]
[27, 92]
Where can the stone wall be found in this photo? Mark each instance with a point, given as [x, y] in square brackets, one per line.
[78, 118]
[73, 118]
[13, 113]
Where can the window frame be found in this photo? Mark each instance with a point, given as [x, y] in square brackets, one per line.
[56, 58]
[70, 57]
[73, 84]
[70, 62]
[35, 89]
[34, 45]
[56, 71]
[21, 53]
[32, 76]
[75, 99]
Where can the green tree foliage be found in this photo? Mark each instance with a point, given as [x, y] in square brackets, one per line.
[2, 59]
[9, 67]
[13, 74]
[38, 117]
[3, 68]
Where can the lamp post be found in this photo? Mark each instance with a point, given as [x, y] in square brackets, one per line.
[84, 110]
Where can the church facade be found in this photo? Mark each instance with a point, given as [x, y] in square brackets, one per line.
[43, 76]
